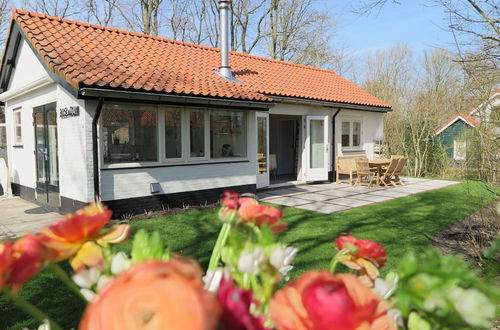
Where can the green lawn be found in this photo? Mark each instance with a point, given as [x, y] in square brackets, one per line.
[401, 225]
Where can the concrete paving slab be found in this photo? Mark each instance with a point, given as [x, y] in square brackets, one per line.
[349, 202]
[18, 217]
[316, 197]
[289, 201]
[337, 193]
[323, 208]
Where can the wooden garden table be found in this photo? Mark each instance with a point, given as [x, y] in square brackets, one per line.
[377, 165]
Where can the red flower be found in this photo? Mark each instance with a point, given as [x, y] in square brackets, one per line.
[251, 211]
[367, 257]
[235, 303]
[5, 260]
[230, 199]
[323, 301]
[28, 255]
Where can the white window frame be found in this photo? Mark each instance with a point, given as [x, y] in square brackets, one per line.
[18, 140]
[247, 119]
[162, 110]
[206, 133]
[456, 154]
[159, 149]
[351, 131]
[186, 158]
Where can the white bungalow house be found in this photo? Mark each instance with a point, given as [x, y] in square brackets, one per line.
[143, 122]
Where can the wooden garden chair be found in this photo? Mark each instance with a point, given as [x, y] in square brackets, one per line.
[363, 172]
[346, 165]
[398, 170]
[389, 172]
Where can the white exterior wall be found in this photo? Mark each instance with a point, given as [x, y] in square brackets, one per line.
[372, 126]
[71, 137]
[135, 182]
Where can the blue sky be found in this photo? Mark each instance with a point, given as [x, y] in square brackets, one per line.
[415, 22]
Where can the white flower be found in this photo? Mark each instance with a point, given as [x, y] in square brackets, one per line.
[88, 294]
[473, 306]
[282, 257]
[250, 262]
[85, 278]
[45, 325]
[103, 280]
[120, 263]
[212, 279]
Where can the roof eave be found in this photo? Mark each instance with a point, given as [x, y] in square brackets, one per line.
[329, 104]
[175, 99]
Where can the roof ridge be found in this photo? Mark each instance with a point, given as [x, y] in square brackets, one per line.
[143, 35]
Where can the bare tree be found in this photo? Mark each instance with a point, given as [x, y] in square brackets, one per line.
[140, 15]
[5, 6]
[60, 8]
[248, 23]
[101, 11]
[297, 32]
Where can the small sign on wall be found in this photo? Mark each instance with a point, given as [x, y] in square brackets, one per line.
[69, 112]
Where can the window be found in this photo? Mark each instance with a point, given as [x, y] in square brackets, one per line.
[197, 133]
[351, 134]
[18, 137]
[173, 134]
[228, 134]
[3, 129]
[459, 150]
[129, 133]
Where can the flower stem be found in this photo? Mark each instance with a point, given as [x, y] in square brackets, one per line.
[221, 241]
[59, 272]
[31, 309]
[335, 259]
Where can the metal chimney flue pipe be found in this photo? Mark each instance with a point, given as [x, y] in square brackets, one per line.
[224, 40]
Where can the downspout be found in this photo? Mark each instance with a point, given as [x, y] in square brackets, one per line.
[95, 146]
[332, 174]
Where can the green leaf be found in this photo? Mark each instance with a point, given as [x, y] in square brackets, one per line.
[416, 322]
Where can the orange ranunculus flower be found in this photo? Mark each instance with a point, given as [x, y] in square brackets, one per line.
[251, 211]
[323, 301]
[367, 257]
[77, 236]
[5, 260]
[154, 295]
[28, 255]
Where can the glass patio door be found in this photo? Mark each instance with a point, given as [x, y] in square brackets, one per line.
[317, 150]
[47, 170]
[262, 150]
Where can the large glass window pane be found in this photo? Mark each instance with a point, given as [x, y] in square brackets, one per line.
[261, 145]
[228, 134]
[173, 133]
[18, 126]
[129, 133]
[3, 129]
[317, 143]
[356, 133]
[346, 128]
[197, 133]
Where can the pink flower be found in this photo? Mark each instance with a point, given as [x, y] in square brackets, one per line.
[235, 303]
[324, 301]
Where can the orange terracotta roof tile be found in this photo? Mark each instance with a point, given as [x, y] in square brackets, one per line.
[87, 55]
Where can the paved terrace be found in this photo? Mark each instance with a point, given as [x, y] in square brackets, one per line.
[335, 197]
[18, 217]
